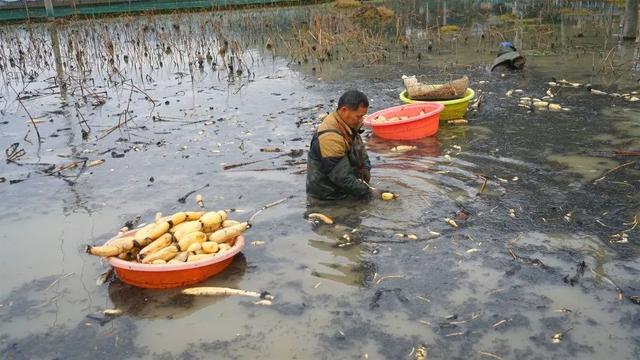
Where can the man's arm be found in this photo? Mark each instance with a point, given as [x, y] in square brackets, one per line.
[366, 171]
[342, 176]
[335, 163]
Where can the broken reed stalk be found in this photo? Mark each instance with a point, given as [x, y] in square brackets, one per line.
[120, 123]
[389, 277]
[619, 291]
[613, 170]
[484, 184]
[494, 356]
[126, 111]
[99, 100]
[269, 205]
[83, 120]
[627, 153]
[28, 114]
[147, 96]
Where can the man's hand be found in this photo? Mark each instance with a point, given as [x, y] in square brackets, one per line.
[376, 193]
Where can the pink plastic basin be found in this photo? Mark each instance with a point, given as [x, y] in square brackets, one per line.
[415, 127]
[162, 276]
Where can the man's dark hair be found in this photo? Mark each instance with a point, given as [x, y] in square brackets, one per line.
[353, 99]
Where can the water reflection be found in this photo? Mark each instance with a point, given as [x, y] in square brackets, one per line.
[342, 240]
[149, 303]
[426, 147]
[420, 156]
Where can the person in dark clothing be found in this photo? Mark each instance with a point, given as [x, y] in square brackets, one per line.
[338, 166]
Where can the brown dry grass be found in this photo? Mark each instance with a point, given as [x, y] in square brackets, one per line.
[347, 3]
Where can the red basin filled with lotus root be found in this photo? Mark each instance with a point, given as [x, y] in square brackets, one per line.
[162, 276]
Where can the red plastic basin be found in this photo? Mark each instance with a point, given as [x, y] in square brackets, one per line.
[162, 276]
[415, 127]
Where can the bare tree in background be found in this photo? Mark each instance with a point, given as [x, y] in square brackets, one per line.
[630, 19]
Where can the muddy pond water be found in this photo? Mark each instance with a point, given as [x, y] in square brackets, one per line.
[549, 246]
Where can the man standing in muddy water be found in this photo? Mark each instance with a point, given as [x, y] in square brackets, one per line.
[338, 166]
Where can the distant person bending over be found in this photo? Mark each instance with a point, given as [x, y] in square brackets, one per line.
[338, 166]
[509, 58]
